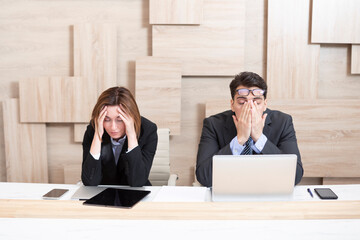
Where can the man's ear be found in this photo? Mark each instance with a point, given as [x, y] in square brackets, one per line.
[232, 105]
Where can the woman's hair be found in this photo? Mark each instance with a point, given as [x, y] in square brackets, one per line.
[117, 96]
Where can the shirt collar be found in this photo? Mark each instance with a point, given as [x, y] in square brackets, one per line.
[118, 142]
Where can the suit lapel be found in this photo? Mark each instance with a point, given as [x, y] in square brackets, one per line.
[229, 128]
[267, 127]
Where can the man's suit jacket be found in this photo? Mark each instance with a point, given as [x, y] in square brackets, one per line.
[133, 168]
[218, 131]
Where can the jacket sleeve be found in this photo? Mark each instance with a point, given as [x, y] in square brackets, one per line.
[208, 147]
[287, 145]
[139, 160]
[91, 174]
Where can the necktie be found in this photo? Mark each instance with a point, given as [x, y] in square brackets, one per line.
[247, 149]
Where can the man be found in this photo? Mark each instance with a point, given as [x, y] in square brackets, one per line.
[248, 128]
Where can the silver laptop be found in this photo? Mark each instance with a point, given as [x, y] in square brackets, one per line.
[253, 177]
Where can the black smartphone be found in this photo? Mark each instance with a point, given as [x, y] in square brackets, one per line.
[55, 193]
[325, 193]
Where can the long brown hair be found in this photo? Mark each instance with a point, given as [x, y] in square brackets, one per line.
[117, 96]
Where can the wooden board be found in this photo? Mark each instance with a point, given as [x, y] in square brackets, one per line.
[334, 181]
[355, 59]
[53, 99]
[335, 21]
[327, 133]
[214, 48]
[335, 79]
[95, 56]
[158, 91]
[176, 11]
[79, 131]
[72, 173]
[292, 63]
[25, 147]
[13, 208]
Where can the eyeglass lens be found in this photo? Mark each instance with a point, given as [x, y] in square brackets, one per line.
[255, 92]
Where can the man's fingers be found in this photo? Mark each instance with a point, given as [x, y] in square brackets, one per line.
[264, 118]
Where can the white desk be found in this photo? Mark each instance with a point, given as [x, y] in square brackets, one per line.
[44, 219]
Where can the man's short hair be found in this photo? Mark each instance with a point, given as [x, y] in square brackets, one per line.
[247, 79]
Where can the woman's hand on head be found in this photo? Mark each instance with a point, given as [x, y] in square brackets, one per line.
[99, 126]
[128, 121]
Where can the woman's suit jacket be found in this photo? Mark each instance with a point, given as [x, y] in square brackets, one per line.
[218, 131]
[133, 168]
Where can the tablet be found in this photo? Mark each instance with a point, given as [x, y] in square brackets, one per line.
[113, 197]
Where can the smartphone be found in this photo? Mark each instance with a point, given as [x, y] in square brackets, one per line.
[325, 193]
[55, 193]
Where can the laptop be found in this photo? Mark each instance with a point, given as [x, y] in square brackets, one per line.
[253, 177]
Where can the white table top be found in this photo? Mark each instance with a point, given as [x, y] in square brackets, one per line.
[34, 228]
[35, 191]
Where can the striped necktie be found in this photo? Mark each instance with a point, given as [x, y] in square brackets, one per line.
[247, 149]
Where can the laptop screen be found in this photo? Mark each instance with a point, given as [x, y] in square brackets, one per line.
[243, 177]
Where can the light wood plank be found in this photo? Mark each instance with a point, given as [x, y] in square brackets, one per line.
[214, 48]
[327, 133]
[176, 11]
[292, 63]
[53, 99]
[158, 91]
[25, 147]
[335, 21]
[335, 181]
[13, 208]
[95, 56]
[335, 80]
[79, 130]
[72, 173]
[355, 59]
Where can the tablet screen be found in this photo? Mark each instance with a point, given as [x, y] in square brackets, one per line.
[112, 197]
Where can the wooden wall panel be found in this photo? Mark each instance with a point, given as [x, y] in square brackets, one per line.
[292, 63]
[79, 130]
[214, 48]
[72, 173]
[158, 91]
[335, 21]
[355, 59]
[335, 80]
[25, 144]
[176, 11]
[53, 99]
[327, 133]
[333, 181]
[95, 57]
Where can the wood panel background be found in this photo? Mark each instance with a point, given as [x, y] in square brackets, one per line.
[176, 11]
[335, 21]
[26, 150]
[37, 40]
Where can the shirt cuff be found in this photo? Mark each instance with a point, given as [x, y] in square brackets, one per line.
[96, 156]
[235, 146]
[260, 144]
[129, 150]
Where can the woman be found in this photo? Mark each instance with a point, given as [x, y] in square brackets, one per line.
[119, 145]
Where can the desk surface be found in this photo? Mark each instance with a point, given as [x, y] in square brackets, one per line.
[13, 208]
[21, 207]
[28, 205]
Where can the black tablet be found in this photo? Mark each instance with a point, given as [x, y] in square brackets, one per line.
[113, 197]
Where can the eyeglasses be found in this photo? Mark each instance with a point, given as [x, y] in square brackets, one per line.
[245, 92]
